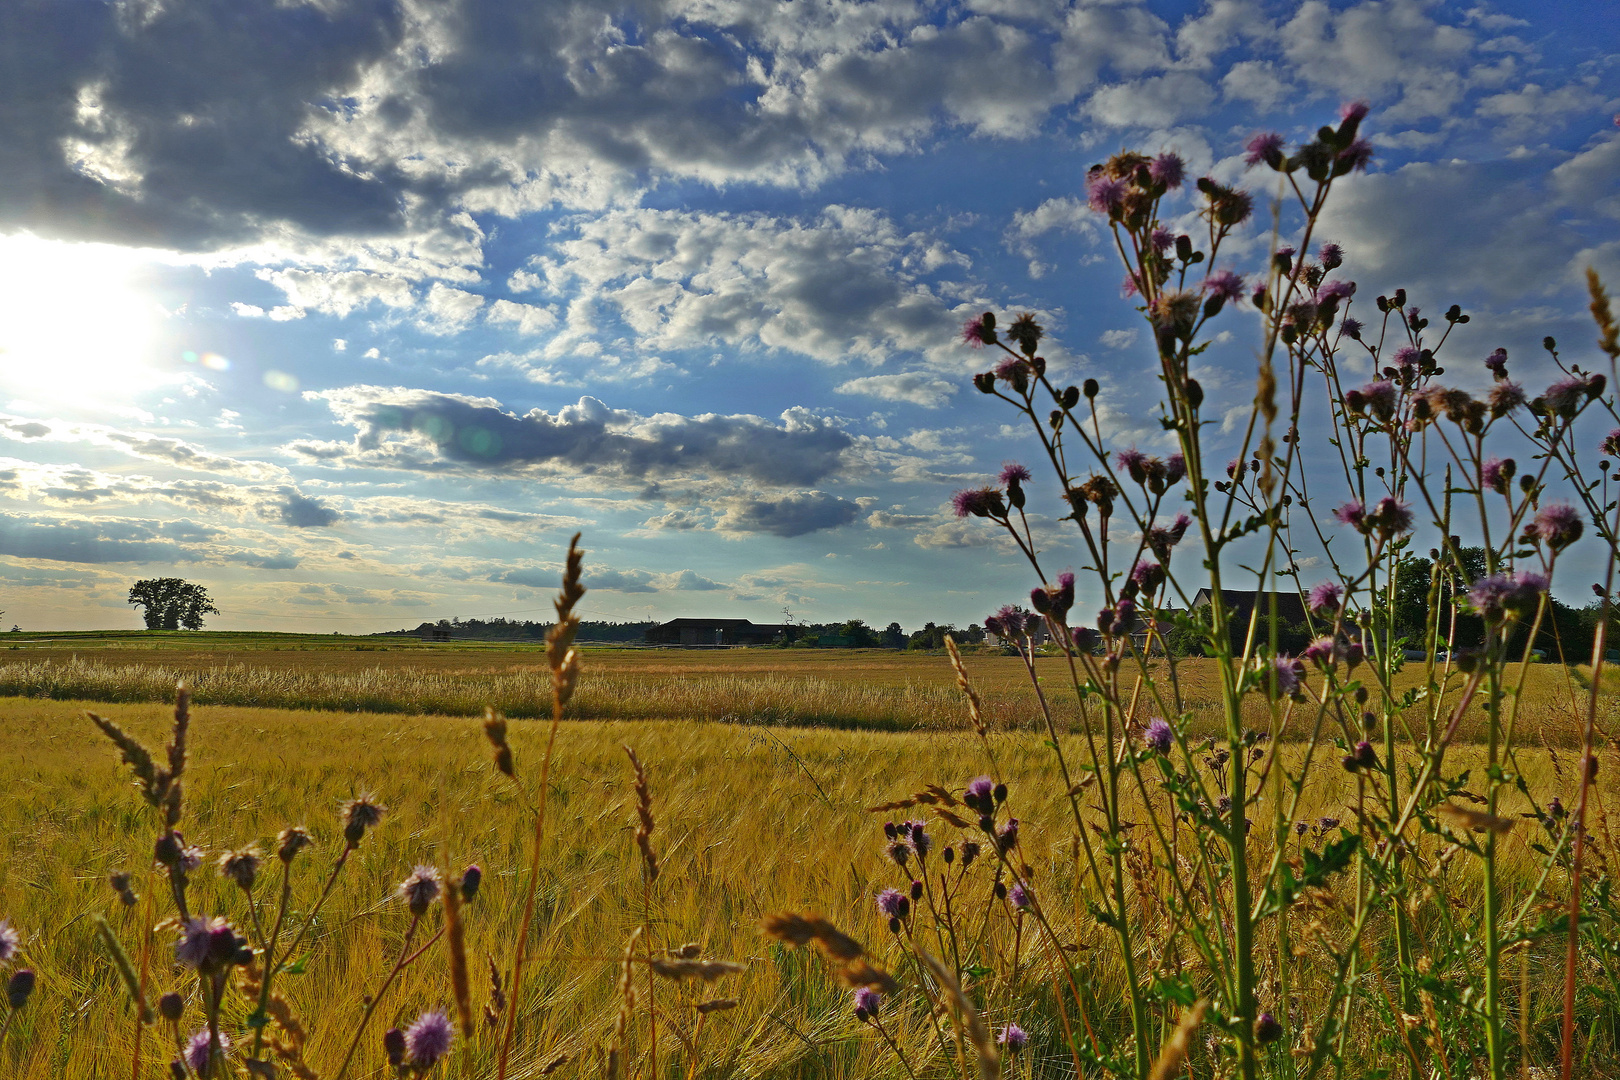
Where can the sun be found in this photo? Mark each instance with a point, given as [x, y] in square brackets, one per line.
[75, 323]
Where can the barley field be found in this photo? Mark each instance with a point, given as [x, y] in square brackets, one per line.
[751, 818]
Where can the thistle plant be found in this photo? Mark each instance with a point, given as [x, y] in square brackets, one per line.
[1212, 827]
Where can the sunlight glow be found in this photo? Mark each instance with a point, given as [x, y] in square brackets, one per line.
[75, 325]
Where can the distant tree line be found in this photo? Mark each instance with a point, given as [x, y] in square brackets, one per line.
[524, 630]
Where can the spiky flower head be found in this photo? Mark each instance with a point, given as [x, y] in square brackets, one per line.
[359, 815]
[1356, 157]
[1134, 462]
[191, 857]
[1559, 525]
[1013, 1038]
[197, 939]
[978, 502]
[1225, 284]
[197, 1050]
[1350, 328]
[1565, 398]
[1267, 1029]
[1162, 239]
[1497, 596]
[10, 942]
[917, 836]
[893, 903]
[975, 333]
[1611, 443]
[1497, 473]
[1321, 652]
[1267, 147]
[291, 841]
[1158, 736]
[1332, 256]
[428, 1040]
[1391, 517]
[1104, 193]
[1325, 597]
[1019, 896]
[1013, 473]
[980, 795]
[1287, 676]
[1407, 356]
[1497, 363]
[1167, 170]
[867, 1003]
[1505, 397]
[420, 889]
[241, 866]
[1352, 514]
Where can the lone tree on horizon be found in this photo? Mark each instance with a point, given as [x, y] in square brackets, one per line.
[171, 603]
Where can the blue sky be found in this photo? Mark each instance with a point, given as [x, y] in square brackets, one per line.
[355, 311]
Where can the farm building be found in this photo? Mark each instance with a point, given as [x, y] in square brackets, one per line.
[695, 633]
[1240, 602]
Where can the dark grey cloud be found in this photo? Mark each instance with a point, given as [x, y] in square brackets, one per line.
[396, 426]
[790, 515]
[179, 124]
[109, 540]
[302, 512]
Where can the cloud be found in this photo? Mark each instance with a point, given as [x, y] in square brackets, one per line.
[1118, 339]
[789, 515]
[421, 429]
[884, 519]
[302, 512]
[169, 451]
[913, 387]
[100, 540]
[608, 579]
[847, 284]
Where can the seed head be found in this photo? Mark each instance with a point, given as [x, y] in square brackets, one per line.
[421, 889]
[241, 866]
[359, 815]
[291, 841]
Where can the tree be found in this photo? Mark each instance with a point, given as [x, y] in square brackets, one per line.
[171, 603]
[894, 637]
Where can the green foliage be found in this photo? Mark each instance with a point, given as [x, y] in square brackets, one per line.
[171, 603]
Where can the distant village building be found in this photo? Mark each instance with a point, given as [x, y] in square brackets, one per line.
[714, 633]
[1240, 604]
[1037, 636]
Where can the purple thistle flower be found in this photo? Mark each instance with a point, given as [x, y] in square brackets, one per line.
[1148, 576]
[1167, 169]
[359, 815]
[1175, 470]
[1163, 240]
[919, 839]
[1020, 897]
[981, 791]
[1354, 110]
[1505, 397]
[10, 942]
[1498, 595]
[196, 940]
[1559, 525]
[1352, 514]
[1226, 285]
[1007, 837]
[1611, 443]
[979, 502]
[1566, 397]
[420, 889]
[1287, 676]
[1267, 1029]
[1325, 597]
[975, 334]
[1129, 287]
[197, 1050]
[1357, 156]
[1158, 736]
[867, 1002]
[1497, 362]
[1495, 475]
[1264, 147]
[1351, 328]
[1014, 473]
[1321, 652]
[1117, 619]
[429, 1038]
[1134, 462]
[1335, 290]
[1104, 194]
[892, 903]
[1392, 517]
[1407, 356]
[1332, 256]
[1013, 1037]
[1380, 397]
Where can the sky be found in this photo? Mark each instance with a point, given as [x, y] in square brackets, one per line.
[355, 310]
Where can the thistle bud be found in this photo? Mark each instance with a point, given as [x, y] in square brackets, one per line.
[985, 381]
[171, 1006]
[1070, 397]
[1090, 388]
